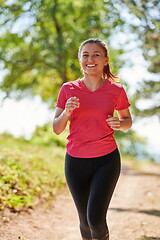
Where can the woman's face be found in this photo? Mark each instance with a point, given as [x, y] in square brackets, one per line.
[92, 59]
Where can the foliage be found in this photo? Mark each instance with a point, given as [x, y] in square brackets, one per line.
[147, 27]
[149, 93]
[44, 136]
[28, 173]
[40, 40]
[132, 145]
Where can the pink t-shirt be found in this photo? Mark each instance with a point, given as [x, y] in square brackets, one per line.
[90, 135]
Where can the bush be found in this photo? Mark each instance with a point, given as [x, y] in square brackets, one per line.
[28, 173]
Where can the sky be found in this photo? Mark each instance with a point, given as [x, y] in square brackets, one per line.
[20, 118]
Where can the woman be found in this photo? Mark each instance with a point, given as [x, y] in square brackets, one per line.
[92, 162]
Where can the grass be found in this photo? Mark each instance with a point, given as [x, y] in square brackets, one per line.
[29, 173]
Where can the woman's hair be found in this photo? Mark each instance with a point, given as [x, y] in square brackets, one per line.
[106, 70]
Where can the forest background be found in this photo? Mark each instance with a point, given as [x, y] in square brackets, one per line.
[38, 53]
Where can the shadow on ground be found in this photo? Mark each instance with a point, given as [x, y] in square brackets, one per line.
[148, 238]
[127, 170]
[150, 212]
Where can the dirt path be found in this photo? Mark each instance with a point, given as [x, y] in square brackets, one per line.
[134, 212]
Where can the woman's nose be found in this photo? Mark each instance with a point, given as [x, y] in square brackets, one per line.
[90, 58]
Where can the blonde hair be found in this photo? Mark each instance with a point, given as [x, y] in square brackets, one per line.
[106, 70]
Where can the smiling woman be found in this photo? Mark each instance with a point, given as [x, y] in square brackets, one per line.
[96, 51]
[92, 163]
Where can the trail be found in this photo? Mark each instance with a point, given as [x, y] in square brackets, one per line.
[134, 212]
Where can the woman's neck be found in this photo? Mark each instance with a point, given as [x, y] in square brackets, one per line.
[92, 82]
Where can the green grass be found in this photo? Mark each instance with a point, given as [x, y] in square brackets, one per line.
[29, 173]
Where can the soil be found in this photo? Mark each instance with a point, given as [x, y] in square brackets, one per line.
[134, 212]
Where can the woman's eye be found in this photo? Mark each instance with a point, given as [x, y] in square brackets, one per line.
[95, 55]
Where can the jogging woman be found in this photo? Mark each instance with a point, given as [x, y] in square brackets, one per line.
[92, 162]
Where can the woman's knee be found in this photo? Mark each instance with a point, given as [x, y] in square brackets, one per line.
[98, 228]
[85, 230]
[99, 232]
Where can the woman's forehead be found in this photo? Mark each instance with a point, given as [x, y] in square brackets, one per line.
[91, 47]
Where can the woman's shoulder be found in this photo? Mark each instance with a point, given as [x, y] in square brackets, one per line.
[115, 85]
[71, 84]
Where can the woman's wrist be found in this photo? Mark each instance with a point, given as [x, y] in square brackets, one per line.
[66, 113]
[125, 124]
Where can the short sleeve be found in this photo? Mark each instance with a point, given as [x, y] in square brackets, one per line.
[122, 101]
[61, 101]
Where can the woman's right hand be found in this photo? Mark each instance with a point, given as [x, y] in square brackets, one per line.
[71, 104]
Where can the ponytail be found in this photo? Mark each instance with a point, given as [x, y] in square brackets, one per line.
[107, 73]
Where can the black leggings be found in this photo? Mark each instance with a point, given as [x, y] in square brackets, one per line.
[91, 182]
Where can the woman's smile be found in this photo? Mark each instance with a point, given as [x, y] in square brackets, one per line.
[91, 65]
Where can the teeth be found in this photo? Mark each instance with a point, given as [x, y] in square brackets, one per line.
[91, 65]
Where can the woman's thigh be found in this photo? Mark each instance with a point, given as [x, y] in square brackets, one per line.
[78, 179]
[92, 182]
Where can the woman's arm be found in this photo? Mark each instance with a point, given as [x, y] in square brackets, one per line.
[124, 122]
[62, 116]
[60, 120]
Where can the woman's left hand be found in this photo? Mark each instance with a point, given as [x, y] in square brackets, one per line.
[114, 123]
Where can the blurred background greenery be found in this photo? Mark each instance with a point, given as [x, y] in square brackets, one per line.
[38, 53]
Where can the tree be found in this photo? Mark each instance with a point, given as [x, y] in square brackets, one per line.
[147, 27]
[40, 40]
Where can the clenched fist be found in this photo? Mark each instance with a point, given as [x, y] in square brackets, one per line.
[114, 122]
[71, 104]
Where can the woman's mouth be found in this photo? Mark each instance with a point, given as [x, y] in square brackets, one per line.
[91, 65]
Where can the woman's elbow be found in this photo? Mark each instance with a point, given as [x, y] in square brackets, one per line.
[56, 131]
